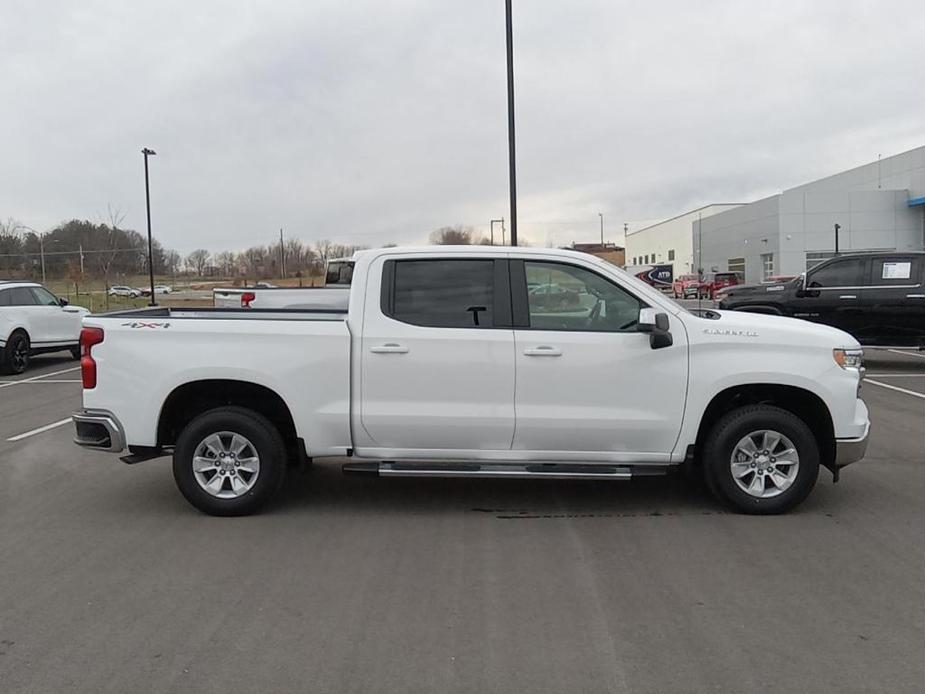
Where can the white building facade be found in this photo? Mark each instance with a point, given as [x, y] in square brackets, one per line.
[670, 242]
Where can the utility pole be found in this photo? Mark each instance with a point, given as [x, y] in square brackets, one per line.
[282, 254]
[503, 242]
[149, 152]
[492, 227]
[510, 122]
[601, 215]
[42, 253]
[81, 247]
[837, 227]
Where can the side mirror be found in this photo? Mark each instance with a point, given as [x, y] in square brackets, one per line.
[656, 324]
[63, 302]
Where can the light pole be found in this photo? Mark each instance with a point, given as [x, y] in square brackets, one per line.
[837, 227]
[492, 232]
[510, 120]
[601, 215]
[149, 152]
[40, 235]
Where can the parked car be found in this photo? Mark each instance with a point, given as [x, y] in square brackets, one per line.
[715, 282]
[879, 298]
[686, 287]
[33, 321]
[443, 364]
[121, 290]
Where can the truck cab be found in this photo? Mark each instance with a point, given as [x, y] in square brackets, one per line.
[879, 298]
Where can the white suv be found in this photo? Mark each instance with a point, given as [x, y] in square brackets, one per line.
[124, 291]
[32, 321]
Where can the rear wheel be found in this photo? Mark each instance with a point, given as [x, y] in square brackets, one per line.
[761, 459]
[229, 461]
[14, 359]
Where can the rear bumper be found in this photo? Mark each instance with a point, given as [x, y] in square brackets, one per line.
[98, 429]
[848, 451]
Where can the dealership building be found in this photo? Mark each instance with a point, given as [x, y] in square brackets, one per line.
[877, 206]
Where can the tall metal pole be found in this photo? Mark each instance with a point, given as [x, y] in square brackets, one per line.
[837, 227]
[147, 152]
[510, 121]
[601, 215]
[42, 253]
[282, 254]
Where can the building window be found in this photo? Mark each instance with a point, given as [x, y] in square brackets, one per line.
[767, 266]
[736, 265]
[671, 254]
[813, 258]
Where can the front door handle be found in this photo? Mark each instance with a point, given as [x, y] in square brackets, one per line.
[389, 348]
[848, 296]
[543, 351]
[915, 296]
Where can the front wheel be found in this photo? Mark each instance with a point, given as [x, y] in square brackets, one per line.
[760, 459]
[229, 461]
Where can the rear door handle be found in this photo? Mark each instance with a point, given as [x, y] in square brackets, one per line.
[389, 348]
[915, 296]
[848, 296]
[543, 351]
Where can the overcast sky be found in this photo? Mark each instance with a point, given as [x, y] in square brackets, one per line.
[375, 122]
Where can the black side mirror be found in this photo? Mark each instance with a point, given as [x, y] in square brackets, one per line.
[657, 325]
[63, 302]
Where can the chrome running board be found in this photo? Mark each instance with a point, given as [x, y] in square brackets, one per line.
[557, 471]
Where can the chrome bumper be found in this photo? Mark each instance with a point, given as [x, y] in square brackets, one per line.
[848, 451]
[98, 429]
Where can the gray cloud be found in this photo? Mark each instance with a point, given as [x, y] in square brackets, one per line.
[376, 122]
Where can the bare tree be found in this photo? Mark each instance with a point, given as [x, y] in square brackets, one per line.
[198, 260]
[453, 236]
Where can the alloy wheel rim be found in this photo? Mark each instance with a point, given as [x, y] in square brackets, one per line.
[226, 465]
[764, 464]
[20, 355]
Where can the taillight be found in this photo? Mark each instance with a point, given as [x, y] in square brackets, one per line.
[88, 338]
[247, 298]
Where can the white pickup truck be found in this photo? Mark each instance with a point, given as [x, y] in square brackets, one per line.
[476, 362]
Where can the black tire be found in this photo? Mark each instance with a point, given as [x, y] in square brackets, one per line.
[267, 443]
[14, 359]
[730, 430]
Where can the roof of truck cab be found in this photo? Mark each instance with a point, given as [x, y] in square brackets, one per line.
[495, 251]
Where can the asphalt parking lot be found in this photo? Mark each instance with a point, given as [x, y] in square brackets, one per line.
[110, 582]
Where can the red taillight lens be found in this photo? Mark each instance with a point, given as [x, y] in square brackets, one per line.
[247, 298]
[88, 338]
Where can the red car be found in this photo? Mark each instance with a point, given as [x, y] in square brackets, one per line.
[716, 281]
[686, 286]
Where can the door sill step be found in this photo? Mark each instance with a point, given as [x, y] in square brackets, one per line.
[514, 471]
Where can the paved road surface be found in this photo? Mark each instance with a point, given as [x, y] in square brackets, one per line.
[109, 582]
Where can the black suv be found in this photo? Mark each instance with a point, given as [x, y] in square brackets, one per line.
[877, 297]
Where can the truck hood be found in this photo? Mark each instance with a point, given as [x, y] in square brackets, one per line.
[753, 289]
[777, 329]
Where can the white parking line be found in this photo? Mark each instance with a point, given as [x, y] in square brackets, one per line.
[40, 430]
[908, 354]
[36, 378]
[896, 388]
[896, 375]
[56, 380]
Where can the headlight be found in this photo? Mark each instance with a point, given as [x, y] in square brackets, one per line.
[849, 358]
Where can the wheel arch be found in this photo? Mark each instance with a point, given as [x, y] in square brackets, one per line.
[195, 397]
[801, 402]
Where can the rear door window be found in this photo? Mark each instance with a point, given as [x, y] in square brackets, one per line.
[898, 270]
[21, 296]
[441, 293]
[839, 273]
[5, 297]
